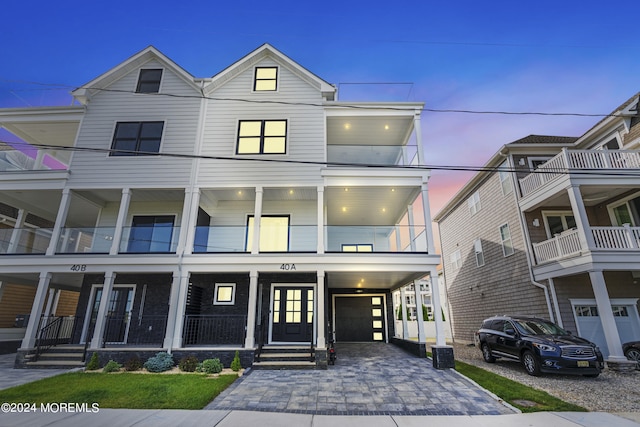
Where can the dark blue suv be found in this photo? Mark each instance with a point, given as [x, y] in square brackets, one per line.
[541, 346]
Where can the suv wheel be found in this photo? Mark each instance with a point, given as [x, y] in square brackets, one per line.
[486, 353]
[530, 363]
[633, 354]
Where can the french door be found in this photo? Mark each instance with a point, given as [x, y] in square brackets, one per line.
[292, 314]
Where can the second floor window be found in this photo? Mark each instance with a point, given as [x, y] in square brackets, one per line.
[456, 260]
[262, 137]
[477, 248]
[137, 138]
[149, 81]
[505, 238]
[474, 203]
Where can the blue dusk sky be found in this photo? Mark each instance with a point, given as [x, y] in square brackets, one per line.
[561, 56]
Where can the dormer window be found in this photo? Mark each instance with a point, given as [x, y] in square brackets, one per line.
[266, 79]
[149, 81]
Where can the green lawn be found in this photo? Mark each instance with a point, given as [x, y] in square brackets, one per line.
[123, 390]
[511, 391]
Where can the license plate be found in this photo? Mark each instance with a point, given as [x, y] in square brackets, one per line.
[583, 363]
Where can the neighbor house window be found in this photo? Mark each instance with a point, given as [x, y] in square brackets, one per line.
[357, 248]
[505, 179]
[149, 81]
[536, 162]
[477, 248]
[262, 137]
[456, 260]
[136, 138]
[557, 222]
[474, 203]
[626, 211]
[266, 79]
[224, 294]
[505, 238]
[274, 233]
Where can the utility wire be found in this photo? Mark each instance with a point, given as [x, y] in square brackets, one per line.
[320, 104]
[459, 168]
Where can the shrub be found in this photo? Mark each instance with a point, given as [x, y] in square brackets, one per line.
[159, 363]
[211, 366]
[133, 364]
[235, 364]
[94, 363]
[188, 364]
[112, 366]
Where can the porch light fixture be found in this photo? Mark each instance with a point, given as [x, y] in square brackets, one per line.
[536, 222]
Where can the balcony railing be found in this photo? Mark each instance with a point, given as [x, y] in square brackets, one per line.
[149, 239]
[575, 160]
[605, 239]
[384, 155]
[24, 241]
[214, 329]
[221, 239]
[136, 330]
[392, 238]
[15, 160]
[95, 240]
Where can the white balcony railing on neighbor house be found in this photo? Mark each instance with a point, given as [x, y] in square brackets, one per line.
[14, 160]
[568, 243]
[579, 160]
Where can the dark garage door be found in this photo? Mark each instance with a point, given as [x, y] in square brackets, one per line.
[359, 318]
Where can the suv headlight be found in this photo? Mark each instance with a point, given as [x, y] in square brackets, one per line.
[545, 347]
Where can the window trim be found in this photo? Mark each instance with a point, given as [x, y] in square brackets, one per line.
[262, 137]
[140, 81]
[563, 214]
[216, 301]
[256, 80]
[624, 201]
[455, 258]
[502, 241]
[136, 152]
[478, 244]
[473, 202]
[505, 179]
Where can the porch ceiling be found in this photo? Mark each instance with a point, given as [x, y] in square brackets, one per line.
[591, 195]
[367, 205]
[371, 280]
[379, 130]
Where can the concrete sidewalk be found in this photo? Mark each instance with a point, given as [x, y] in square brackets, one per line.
[173, 418]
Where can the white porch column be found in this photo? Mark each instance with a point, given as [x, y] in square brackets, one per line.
[412, 230]
[437, 308]
[61, 219]
[189, 221]
[606, 316]
[428, 226]
[29, 340]
[403, 310]
[98, 330]
[50, 298]
[580, 214]
[418, 128]
[181, 306]
[249, 341]
[422, 338]
[17, 231]
[320, 220]
[125, 199]
[321, 341]
[173, 309]
[257, 216]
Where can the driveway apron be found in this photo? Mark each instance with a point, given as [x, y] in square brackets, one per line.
[367, 379]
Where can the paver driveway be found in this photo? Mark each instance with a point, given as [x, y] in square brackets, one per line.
[367, 379]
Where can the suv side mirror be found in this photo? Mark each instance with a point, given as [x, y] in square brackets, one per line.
[510, 331]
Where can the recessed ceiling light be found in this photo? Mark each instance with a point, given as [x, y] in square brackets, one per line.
[290, 191]
[347, 126]
[386, 127]
[384, 209]
[344, 209]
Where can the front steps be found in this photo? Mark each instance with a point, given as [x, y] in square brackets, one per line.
[285, 357]
[59, 357]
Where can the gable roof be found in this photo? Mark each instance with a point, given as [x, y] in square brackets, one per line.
[268, 51]
[545, 139]
[84, 92]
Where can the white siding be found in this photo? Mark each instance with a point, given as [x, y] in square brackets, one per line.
[119, 103]
[305, 139]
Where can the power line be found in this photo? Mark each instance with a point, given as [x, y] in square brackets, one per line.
[455, 168]
[316, 104]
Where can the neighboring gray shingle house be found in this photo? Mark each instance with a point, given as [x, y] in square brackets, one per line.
[558, 238]
[208, 215]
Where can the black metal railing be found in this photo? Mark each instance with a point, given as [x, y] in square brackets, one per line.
[262, 332]
[54, 330]
[203, 329]
[134, 330]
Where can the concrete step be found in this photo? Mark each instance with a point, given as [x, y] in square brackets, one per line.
[275, 364]
[55, 364]
[61, 356]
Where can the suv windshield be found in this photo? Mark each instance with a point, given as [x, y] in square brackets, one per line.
[538, 327]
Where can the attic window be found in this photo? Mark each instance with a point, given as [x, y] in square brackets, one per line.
[149, 81]
[266, 79]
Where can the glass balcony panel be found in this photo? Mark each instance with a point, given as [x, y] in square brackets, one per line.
[386, 155]
[212, 239]
[158, 238]
[24, 240]
[392, 238]
[95, 240]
